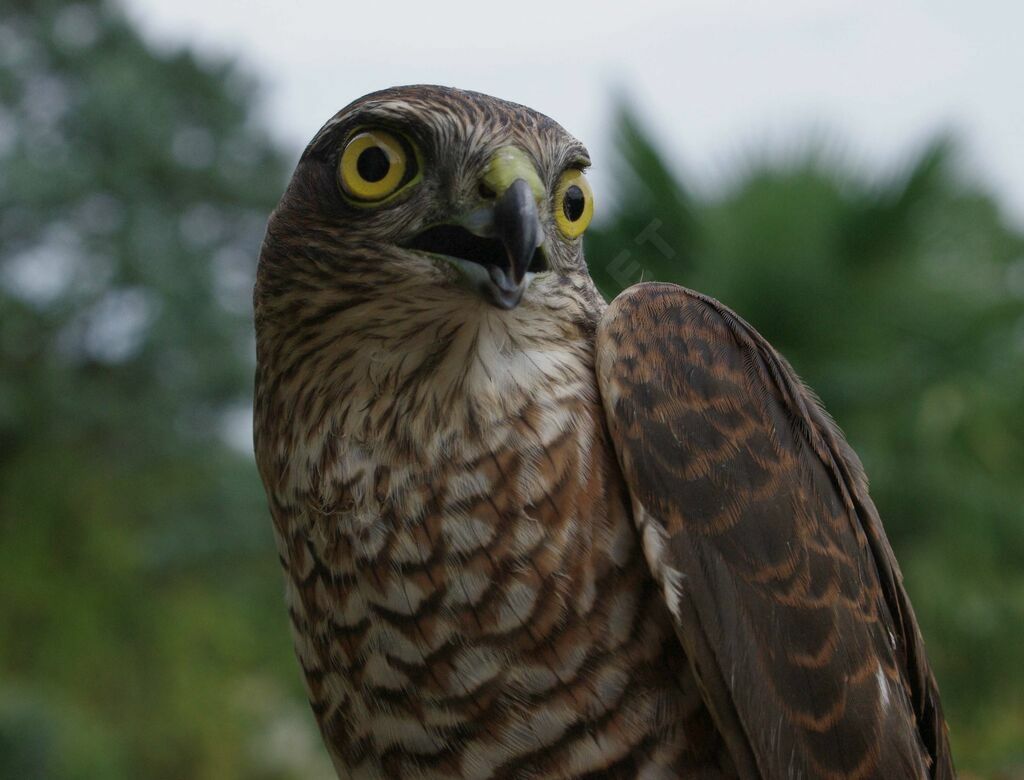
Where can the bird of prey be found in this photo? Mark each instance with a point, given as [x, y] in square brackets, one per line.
[527, 533]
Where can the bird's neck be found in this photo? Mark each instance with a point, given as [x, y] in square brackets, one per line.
[407, 383]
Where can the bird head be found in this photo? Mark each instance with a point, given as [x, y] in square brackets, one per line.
[430, 196]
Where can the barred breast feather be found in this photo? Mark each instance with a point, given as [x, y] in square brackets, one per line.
[476, 604]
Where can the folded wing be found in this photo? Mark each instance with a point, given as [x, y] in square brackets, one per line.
[757, 524]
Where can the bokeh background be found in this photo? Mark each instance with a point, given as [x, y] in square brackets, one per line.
[850, 179]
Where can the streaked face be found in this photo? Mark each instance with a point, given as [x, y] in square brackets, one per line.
[423, 179]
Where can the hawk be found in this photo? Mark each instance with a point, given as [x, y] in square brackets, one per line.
[527, 533]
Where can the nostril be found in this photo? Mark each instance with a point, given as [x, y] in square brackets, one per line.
[486, 192]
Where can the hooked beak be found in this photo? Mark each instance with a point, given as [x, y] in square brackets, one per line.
[498, 245]
[517, 226]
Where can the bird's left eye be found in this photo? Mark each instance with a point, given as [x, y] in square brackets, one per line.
[374, 165]
[574, 203]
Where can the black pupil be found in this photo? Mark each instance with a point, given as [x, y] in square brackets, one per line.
[573, 202]
[373, 163]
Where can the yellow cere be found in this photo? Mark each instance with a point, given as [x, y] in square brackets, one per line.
[508, 164]
[372, 165]
[573, 204]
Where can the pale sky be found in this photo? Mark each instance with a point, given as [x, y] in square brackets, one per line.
[717, 80]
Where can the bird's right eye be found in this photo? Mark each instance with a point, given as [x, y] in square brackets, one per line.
[374, 165]
[574, 203]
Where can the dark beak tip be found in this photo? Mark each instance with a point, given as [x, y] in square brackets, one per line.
[505, 300]
[503, 289]
[506, 304]
[517, 226]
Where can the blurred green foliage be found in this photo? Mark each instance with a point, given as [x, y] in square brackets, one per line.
[142, 628]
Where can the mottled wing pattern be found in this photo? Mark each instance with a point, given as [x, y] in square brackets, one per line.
[757, 524]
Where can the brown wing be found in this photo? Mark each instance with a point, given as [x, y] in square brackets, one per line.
[757, 524]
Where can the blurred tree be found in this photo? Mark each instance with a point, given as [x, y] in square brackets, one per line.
[902, 303]
[142, 632]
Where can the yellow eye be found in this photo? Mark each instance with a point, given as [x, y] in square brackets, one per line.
[574, 203]
[373, 166]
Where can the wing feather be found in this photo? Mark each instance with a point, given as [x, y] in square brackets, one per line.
[757, 524]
